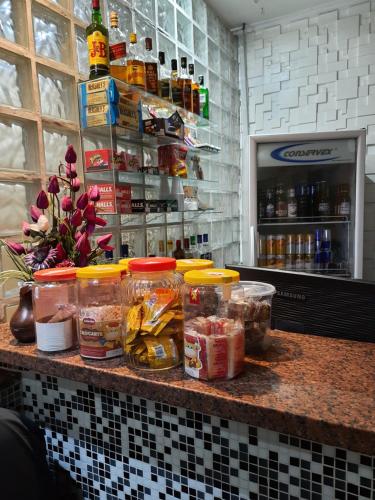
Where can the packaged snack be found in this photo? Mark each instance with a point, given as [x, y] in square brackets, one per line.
[172, 160]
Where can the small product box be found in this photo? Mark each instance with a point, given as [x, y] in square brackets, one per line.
[106, 159]
[130, 114]
[138, 206]
[100, 91]
[113, 199]
[99, 114]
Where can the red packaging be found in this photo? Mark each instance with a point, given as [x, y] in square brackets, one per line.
[113, 199]
[172, 160]
[104, 159]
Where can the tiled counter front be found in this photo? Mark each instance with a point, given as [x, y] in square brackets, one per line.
[119, 446]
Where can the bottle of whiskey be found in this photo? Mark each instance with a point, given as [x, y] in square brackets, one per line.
[164, 79]
[179, 252]
[97, 42]
[117, 50]
[151, 68]
[185, 84]
[135, 65]
[176, 88]
[204, 99]
[195, 97]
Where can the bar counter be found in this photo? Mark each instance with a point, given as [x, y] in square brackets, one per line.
[311, 394]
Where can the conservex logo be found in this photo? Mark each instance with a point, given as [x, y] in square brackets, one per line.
[303, 153]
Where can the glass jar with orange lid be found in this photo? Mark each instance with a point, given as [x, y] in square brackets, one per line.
[125, 262]
[214, 344]
[54, 306]
[153, 314]
[100, 311]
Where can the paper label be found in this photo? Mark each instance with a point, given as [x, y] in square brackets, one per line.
[97, 45]
[151, 70]
[100, 339]
[117, 51]
[136, 73]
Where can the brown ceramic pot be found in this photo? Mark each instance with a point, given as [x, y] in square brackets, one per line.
[22, 323]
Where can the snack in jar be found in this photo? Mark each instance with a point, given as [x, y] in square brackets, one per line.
[153, 314]
[54, 306]
[213, 342]
[253, 305]
[100, 314]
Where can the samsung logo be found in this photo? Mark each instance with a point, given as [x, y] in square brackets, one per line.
[298, 153]
[300, 297]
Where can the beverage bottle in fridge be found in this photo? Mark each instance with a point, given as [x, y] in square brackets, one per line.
[262, 250]
[342, 203]
[281, 207]
[290, 248]
[313, 200]
[280, 251]
[270, 203]
[325, 249]
[179, 252]
[292, 203]
[323, 199]
[188, 253]
[302, 200]
[261, 205]
[309, 251]
[317, 245]
[206, 247]
[271, 249]
[299, 261]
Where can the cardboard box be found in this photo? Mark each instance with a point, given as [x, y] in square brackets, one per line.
[106, 159]
[100, 91]
[113, 198]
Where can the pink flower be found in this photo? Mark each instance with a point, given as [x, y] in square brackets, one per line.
[61, 254]
[100, 222]
[42, 200]
[103, 241]
[26, 228]
[66, 204]
[64, 227]
[71, 171]
[53, 186]
[75, 184]
[89, 213]
[70, 155]
[90, 228]
[83, 244]
[35, 213]
[94, 194]
[76, 218]
[82, 201]
[77, 235]
[15, 247]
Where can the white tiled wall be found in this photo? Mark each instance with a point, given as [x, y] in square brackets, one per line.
[317, 73]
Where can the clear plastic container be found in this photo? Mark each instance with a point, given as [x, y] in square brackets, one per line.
[125, 262]
[153, 312]
[54, 306]
[100, 311]
[253, 305]
[213, 341]
[185, 265]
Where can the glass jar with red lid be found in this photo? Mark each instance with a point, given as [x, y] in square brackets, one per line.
[54, 306]
[153, 314]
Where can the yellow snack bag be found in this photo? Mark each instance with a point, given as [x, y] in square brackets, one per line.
[161, 352]
[155, 304]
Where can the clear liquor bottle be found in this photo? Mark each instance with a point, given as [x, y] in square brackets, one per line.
[195, 96]
[117, 50]
[164, 79]
[185, 84]
[135, 64]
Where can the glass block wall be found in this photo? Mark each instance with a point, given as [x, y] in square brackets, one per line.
[42, 57]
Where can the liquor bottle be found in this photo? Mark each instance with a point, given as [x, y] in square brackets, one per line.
[188, 254]
[117, 50]
[185, 83]
[342, 202]
[270, 203]
[135, 65]
[323, 199]
[97, 42]
[303, 197]
[179, 252]
[261, 205]
[170, 248]
[161, 248]
[292, 203]
[203, 99]
[200, 245]
[281, 203]
[176, 88]
[164, 79]
[193, 248]
[195, 102]
[151, 68]
[206, 247]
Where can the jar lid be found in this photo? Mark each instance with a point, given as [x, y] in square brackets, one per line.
[56, 274]
[152, 264]
[257, 288]
[211, 277]
[101, 271]
[183, 265]
[125, 262]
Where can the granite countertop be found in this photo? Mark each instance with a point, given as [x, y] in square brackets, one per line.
[313, 387]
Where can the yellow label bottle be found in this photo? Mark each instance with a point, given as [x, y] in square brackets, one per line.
[135, 65]
[97, 43]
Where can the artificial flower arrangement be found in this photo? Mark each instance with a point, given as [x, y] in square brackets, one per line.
[61, 228]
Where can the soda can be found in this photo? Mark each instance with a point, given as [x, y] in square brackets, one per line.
[262, 245]
[280, 262]
[309, 244]
[271, 261]
[325, 259]
[317, 260]
[290, 244]
[309, 262]
[318, 240]
[280, 244]
[271, 244]
[299, 262]
[326, 240]
[262, 261]
[289, 262]
[300, 244]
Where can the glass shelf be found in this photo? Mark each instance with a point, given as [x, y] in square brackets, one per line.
[303, 221]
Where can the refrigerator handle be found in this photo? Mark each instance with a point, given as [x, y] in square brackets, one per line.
[252, 242]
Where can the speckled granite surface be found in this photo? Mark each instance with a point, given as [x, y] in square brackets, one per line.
[313, 387]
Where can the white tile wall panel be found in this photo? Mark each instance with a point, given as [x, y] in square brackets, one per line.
[326, 80]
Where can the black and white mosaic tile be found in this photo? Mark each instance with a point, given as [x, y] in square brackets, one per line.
[118, 446]
[10, 390]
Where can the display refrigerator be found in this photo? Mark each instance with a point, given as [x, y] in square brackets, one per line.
[303, 202]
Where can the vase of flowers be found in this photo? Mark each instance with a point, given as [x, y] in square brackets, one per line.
[60, 233]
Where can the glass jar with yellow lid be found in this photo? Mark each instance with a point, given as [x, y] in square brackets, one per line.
[100, 311]
[185, 265]
[125, 262]
[214, 344]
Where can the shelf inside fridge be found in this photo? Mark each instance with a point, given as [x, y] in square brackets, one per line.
[303, 221]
